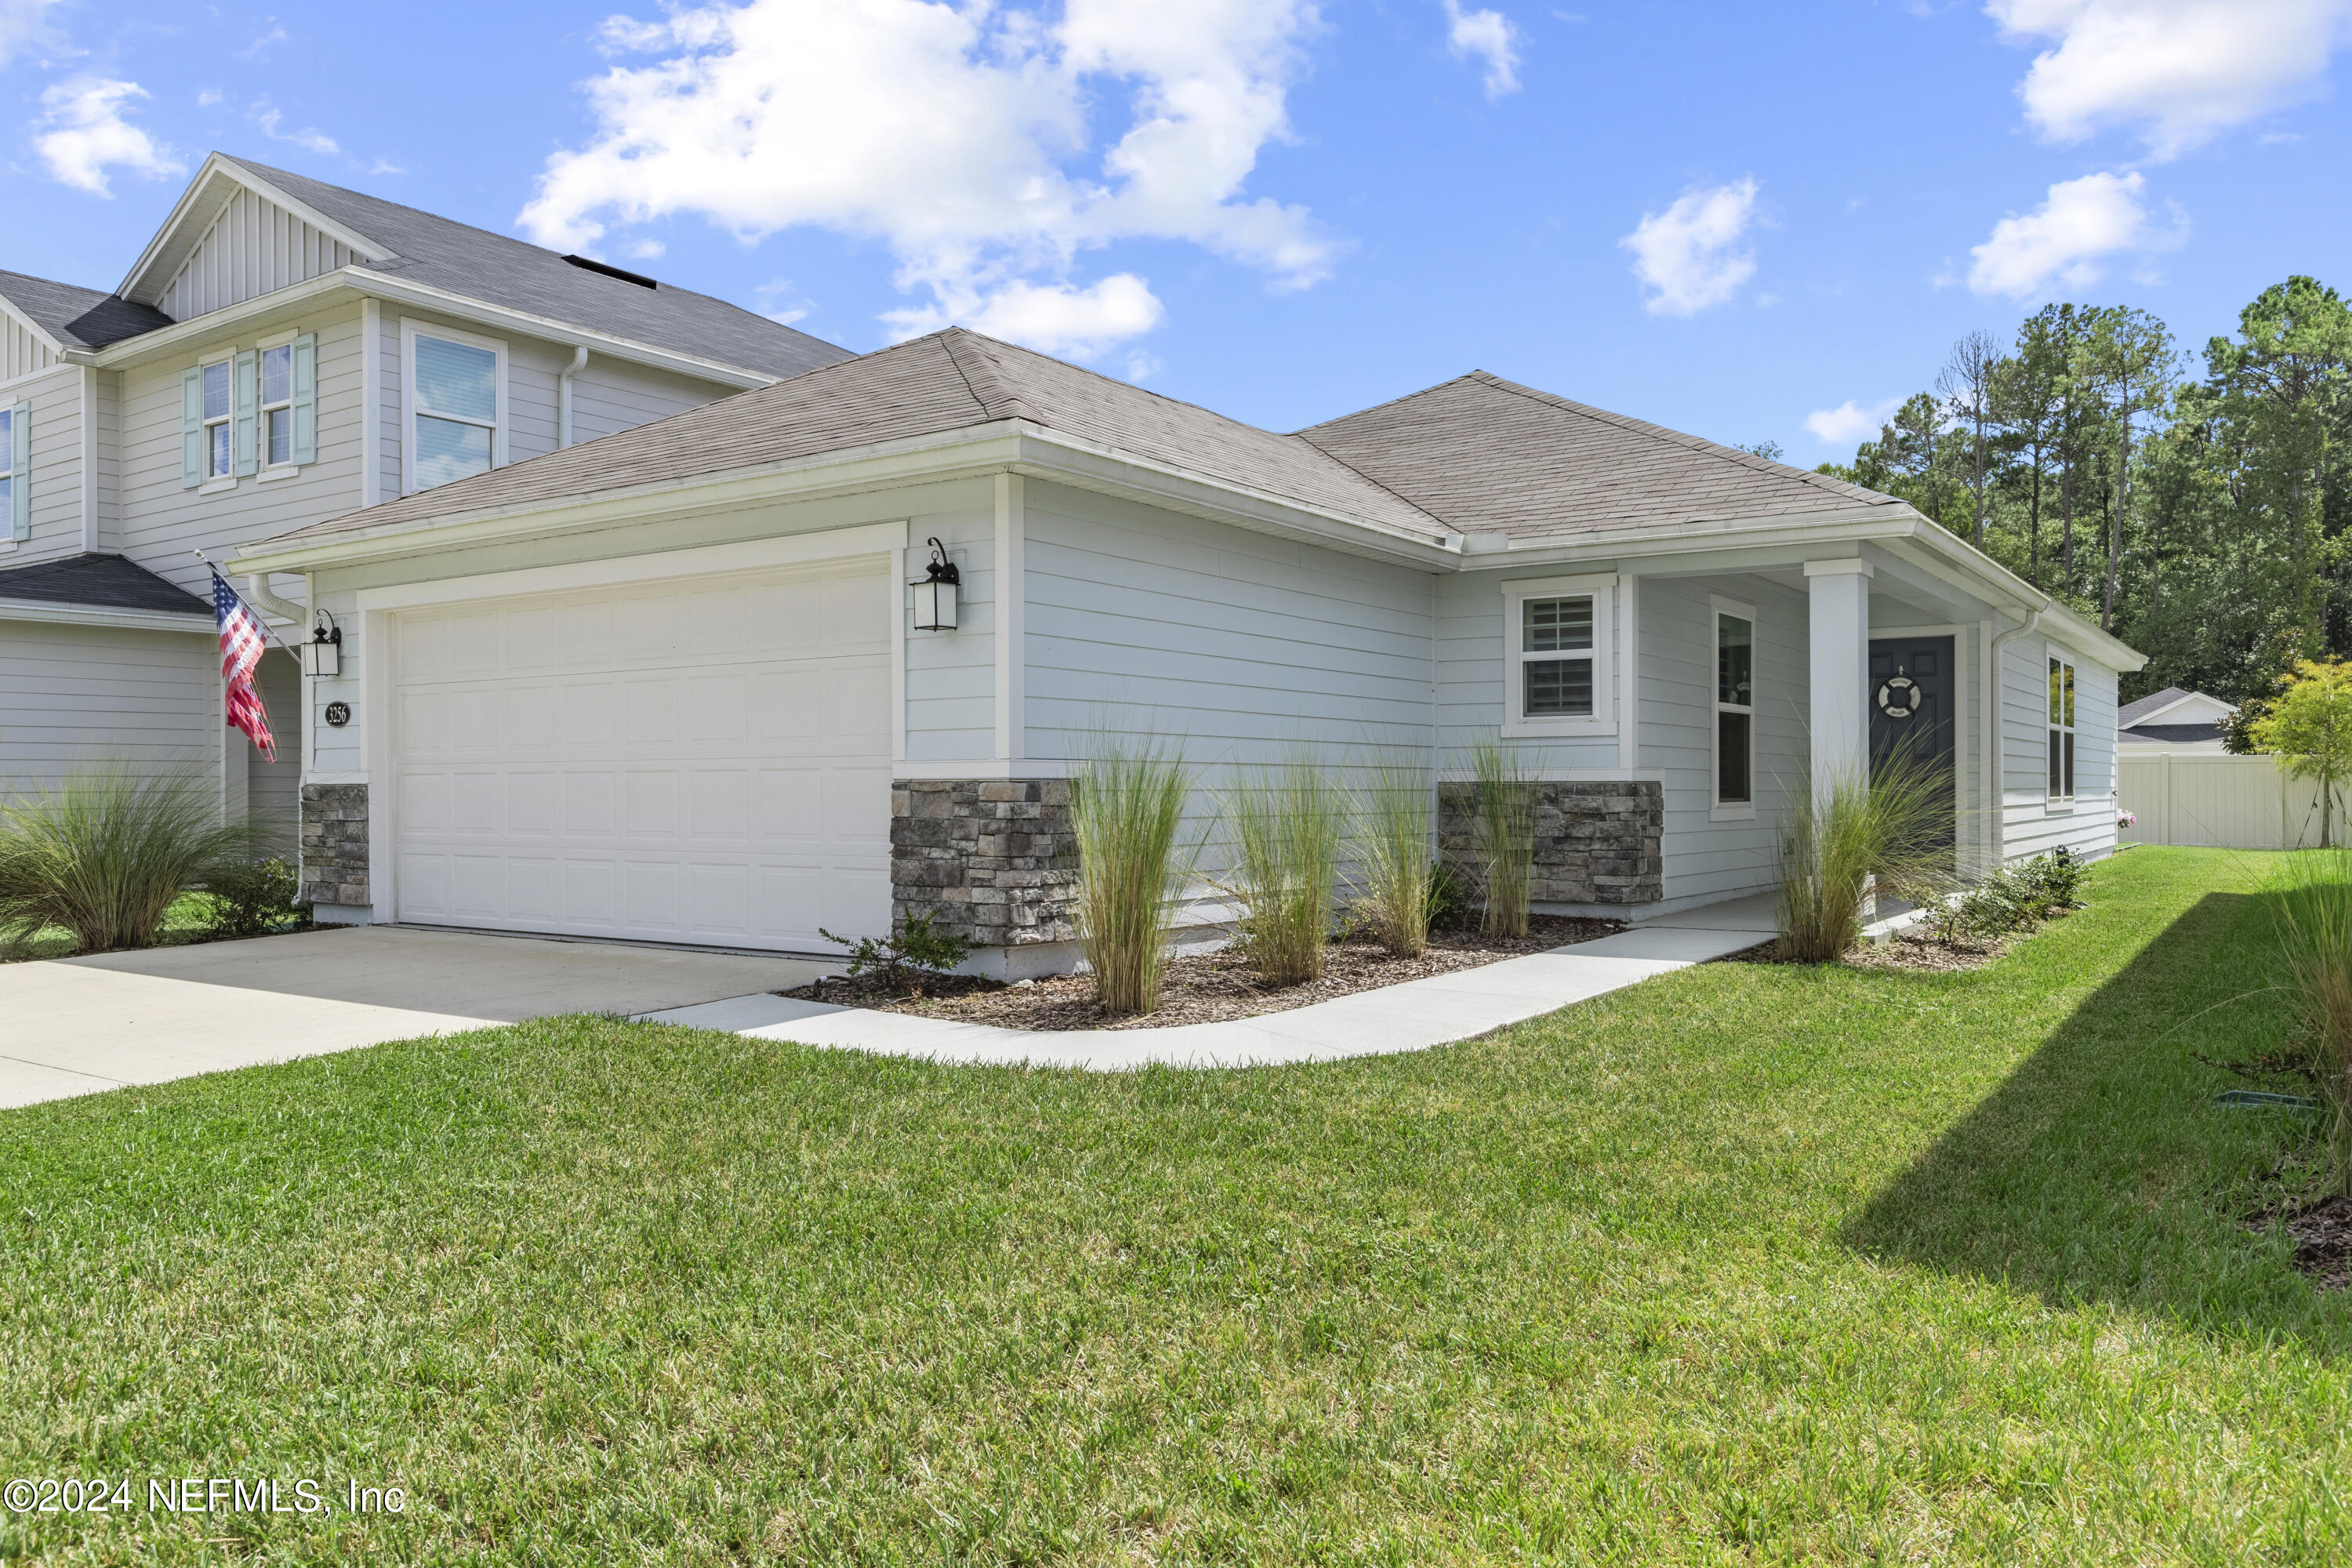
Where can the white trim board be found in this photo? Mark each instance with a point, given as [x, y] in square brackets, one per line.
[618, 570]
[101, 616]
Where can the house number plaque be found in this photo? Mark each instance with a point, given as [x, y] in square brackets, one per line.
[340, 713]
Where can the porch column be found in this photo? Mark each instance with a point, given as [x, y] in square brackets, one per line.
[1840, 592]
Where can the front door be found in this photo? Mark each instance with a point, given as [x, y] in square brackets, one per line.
[1912, 713]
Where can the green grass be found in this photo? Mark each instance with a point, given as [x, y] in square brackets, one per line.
[1748, 1264]
[182, 921]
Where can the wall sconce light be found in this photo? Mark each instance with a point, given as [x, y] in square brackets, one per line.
[935, 592]
[323, 654]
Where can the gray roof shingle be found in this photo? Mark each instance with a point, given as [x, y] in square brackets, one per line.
[499, 270]
[108, 582]
[77, 317]
[1488, 455]
[2132, 712]
[949, 381]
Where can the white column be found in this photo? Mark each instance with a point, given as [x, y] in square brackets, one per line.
[1840, 592]
[1629, 666]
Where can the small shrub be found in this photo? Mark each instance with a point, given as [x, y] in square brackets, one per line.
[914, 953]
[2013, 897]
[250, 898]
[1397, 859]
[104, 853]
[1127, 813]
[1449, 900]
[1288, 824]
[1505, 831]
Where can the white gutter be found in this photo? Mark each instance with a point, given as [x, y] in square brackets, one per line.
[564, 395]
[256, 592]
[70, 614]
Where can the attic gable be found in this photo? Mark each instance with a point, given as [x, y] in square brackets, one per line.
[235, 234]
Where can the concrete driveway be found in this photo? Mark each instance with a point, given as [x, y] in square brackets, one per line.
[81, 1025]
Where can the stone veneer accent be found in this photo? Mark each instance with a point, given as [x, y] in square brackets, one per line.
[335, 843]
[993, 861]
[1596, 843]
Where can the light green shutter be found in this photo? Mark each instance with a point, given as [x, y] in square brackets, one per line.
[306, 398]
[20, 472]
[249, 412]
[192, 429]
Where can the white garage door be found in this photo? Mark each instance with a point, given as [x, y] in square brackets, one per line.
[699, 762]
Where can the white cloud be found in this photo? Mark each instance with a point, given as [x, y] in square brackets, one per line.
[1686, 255]
[1052, 317]
[2180, 71]
[86, 135]
[960, 135]
[2067, 241]
[25, 28]
[277, 34]
[1849, 423]
[1487, 35]
[269, 119]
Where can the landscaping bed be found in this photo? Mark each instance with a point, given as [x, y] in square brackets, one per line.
[1205, 988]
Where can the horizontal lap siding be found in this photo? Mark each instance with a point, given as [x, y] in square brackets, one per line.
[254, 247]
[274, 790]
[1705, 858]
[75, 695]
[54, 482]
[1238, 646]
[1470, 674]
[2032, 826]
[162, 524]
[609, 396]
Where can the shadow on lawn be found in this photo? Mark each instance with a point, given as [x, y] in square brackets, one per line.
[2100, 1169]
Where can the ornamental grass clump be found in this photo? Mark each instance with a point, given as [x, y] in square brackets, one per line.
[105, 851]
[1503, 831]
[1396, 861]
[1288, 824]
[1127, 815]
[1839, 841]
[2310, 895]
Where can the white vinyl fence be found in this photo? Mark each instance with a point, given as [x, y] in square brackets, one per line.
[2214, 798]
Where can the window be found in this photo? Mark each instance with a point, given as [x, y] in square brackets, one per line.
[456, 386]
[220, 455]
[1734, 709]
[278, 405]
[1556, 637]
[16, 472]
[2062, 728]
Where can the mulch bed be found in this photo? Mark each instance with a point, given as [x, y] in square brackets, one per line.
[1203, 989]
[2323, 1239]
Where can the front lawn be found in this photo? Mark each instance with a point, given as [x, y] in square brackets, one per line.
[1750, 1263]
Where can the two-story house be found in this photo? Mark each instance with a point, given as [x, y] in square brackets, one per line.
[286, 351]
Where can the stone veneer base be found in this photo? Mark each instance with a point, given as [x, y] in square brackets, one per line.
[335, 844]
[992, 861]
[1597, 842]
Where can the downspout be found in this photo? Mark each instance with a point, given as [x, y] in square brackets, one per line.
[564, 395]
[1995, 747]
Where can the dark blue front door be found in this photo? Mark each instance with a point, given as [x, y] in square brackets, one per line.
[1912, 713]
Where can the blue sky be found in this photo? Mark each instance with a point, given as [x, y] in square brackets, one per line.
[1750, 222]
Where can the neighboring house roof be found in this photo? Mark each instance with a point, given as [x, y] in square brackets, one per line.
[1488, 455]
[2170, 734]
[948, 381]
[2189, 705]
[76, 317]
[108, 582]
[499, 270]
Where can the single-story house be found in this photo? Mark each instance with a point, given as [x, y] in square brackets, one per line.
[673, 684]
[2173, 719]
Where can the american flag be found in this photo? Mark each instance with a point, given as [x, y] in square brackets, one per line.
[243, 641]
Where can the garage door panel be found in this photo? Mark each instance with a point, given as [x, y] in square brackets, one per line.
[685, 762]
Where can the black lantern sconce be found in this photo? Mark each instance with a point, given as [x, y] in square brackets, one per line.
[935, 592]
[323, 654]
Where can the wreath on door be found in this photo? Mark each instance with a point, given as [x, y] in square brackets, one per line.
[1898, 698]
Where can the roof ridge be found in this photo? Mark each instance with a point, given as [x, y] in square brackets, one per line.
[988, 382]
[1689, 443]
[1391, 403]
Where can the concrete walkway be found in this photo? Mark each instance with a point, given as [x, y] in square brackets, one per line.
[1411, 1016]
[81, 1025]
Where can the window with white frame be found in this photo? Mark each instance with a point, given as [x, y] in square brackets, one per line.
[219, 431]
[7, 460]
[1734, 708]
[1556, 669]
[457, 392]
[2062, 728]
[278, 405]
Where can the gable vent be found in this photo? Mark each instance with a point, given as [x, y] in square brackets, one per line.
[639, 279]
